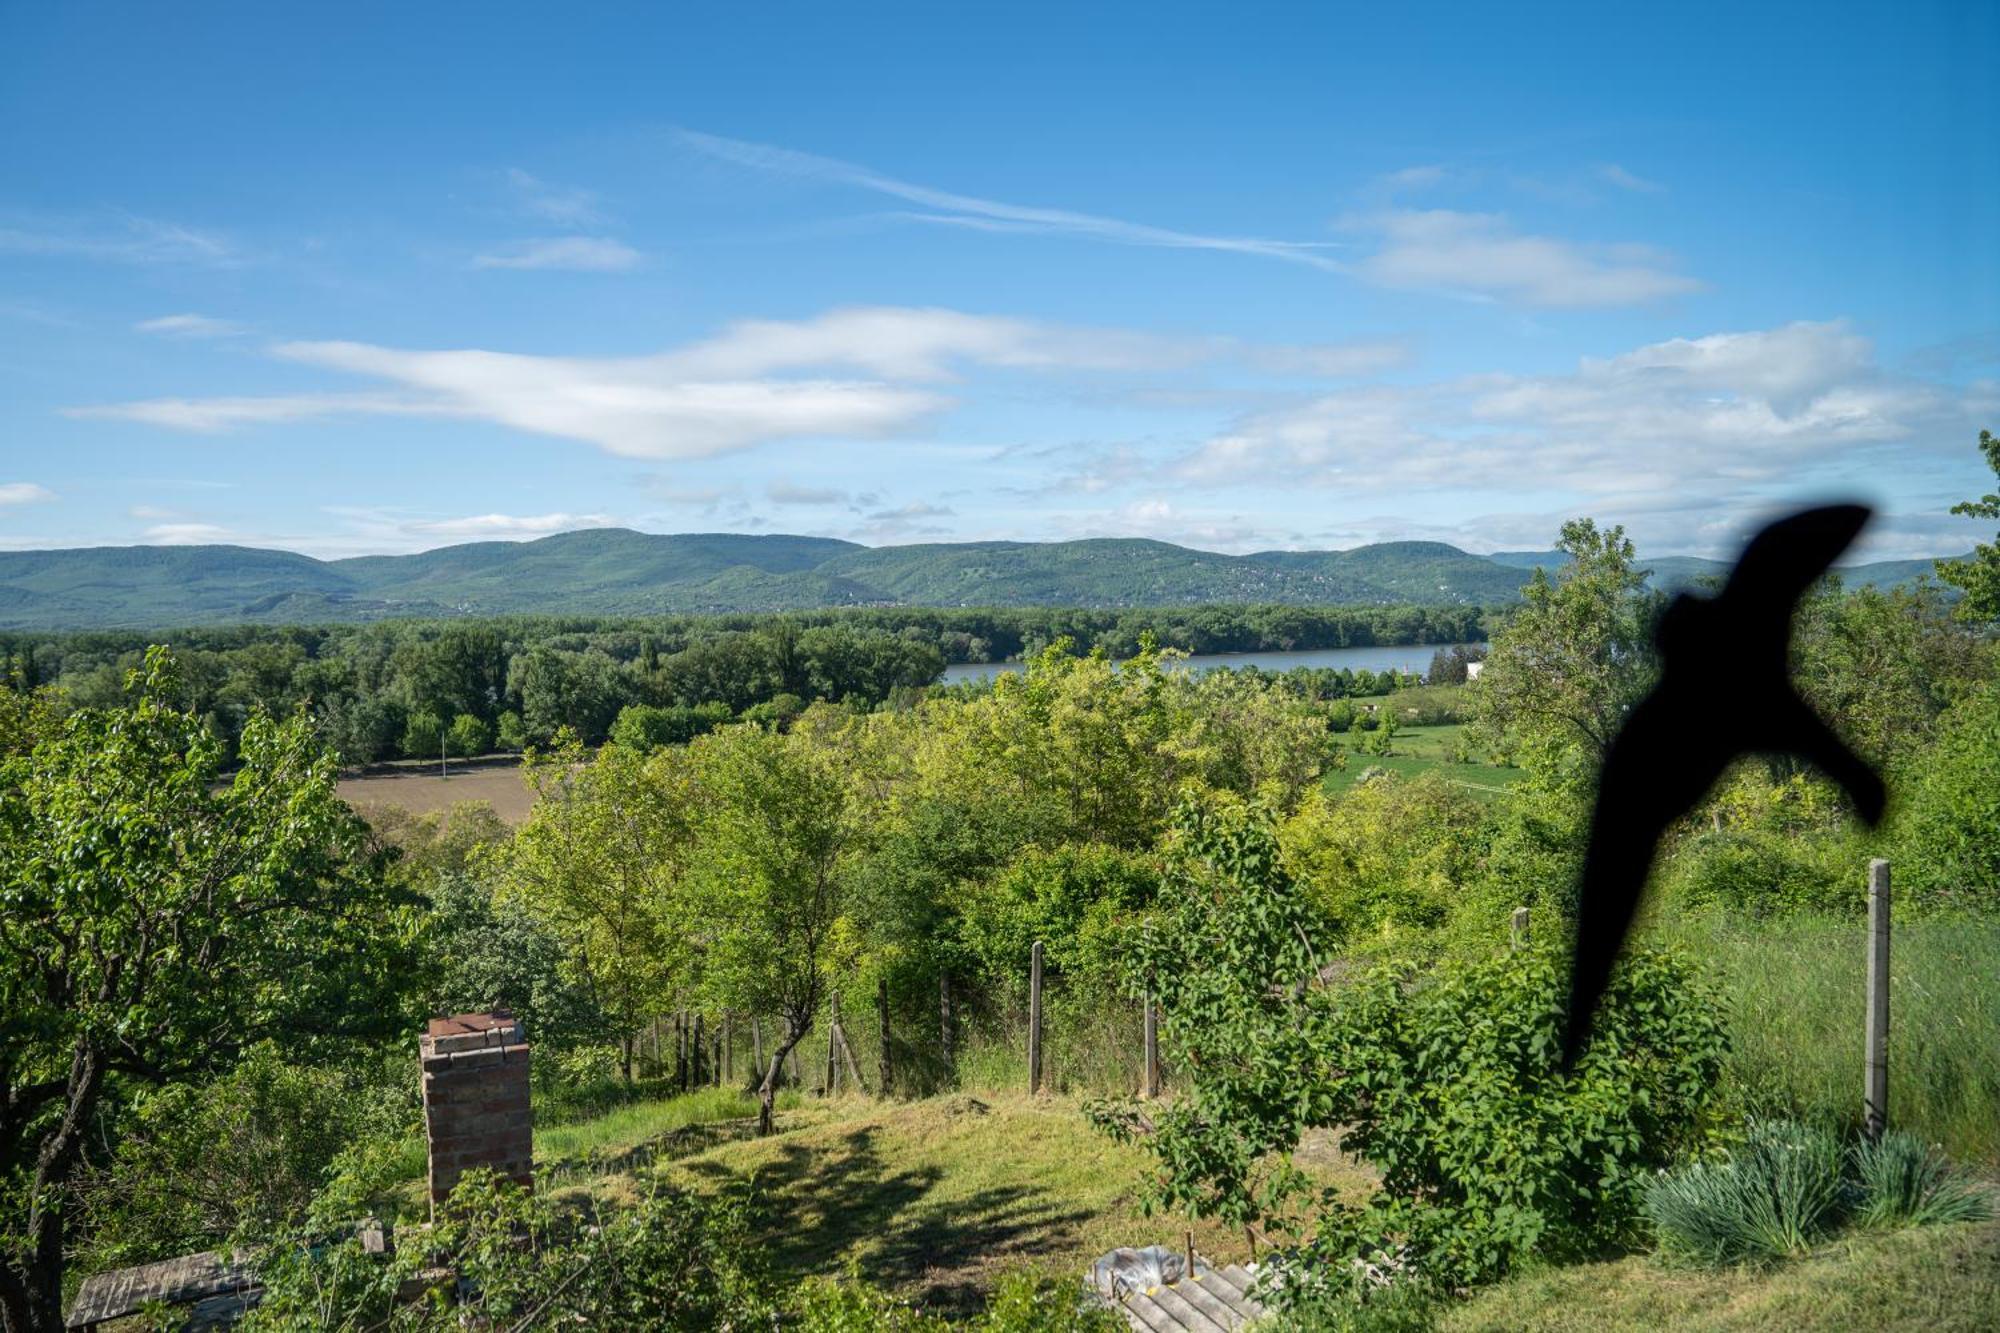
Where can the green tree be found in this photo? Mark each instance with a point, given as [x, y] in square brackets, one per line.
[1978, 576]
[600, 863]
[777, 834]
[469, 736]
[159, 919]
[511, 732]
[1578, 654]
[423, 736]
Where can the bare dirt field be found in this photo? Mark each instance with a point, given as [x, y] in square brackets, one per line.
[421, 790]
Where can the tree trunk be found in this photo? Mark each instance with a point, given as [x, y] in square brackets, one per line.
[767, 1091]
[31, 1280]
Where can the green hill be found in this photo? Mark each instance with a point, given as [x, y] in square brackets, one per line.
[614, 571]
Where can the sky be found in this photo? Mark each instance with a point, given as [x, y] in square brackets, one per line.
[354, 279]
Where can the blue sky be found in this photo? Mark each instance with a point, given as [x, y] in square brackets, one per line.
[354, 279]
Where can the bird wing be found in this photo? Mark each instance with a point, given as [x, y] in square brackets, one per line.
[1787, 557]
[1650, 778]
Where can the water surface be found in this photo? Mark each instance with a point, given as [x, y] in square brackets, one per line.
[1408, 657]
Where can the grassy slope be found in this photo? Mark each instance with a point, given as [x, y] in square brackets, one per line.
[937, 1196]
[1935, 1279]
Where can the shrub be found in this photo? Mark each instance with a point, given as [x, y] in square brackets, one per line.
[1490, 1153]
[1907, 1182]
[1948, 851]
[1779, 1193]
[671, 1260]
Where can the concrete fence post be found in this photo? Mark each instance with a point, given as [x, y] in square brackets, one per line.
[1150, 1086]
[1035, 1018]
[1517, 930]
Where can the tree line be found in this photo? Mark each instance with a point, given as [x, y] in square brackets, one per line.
[424, 688]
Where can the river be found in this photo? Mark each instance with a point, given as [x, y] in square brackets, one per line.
[1408, 657]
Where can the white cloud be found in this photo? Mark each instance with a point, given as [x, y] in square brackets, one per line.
[565, 204]
[1480, 255]
[992, 215]
[24, 492]
[847, 373]
[505, 527]
[1684, 435]
[575, 254]
[187, 534]
[189, 326]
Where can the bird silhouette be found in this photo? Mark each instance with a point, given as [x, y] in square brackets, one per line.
[1671, 750]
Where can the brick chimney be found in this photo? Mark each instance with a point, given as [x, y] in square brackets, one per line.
[476, 1107]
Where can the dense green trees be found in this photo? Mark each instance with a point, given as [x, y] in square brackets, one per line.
[371, 688]
[157, 921]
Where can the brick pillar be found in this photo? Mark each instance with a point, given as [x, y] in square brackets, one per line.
[476, 1107]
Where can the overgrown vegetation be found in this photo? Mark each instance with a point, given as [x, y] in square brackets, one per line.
[212, 968]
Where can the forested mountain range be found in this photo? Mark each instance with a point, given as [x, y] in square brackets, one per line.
[615, 571]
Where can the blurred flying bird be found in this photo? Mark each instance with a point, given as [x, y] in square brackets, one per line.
[1671, 749]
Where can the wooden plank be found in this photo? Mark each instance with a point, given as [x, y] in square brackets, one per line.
[1144, 1313]
[1184, 1310]
[1196, 1292]
[182, 1281]
[1234, 1294]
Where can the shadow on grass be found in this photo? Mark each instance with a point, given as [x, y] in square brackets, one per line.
[674, 1144]
[824, 1203]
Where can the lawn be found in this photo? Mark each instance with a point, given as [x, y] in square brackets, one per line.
[1421, 750]
[1933, 1279]
[937, 1197]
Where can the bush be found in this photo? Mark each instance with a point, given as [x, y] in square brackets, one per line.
[1450, 1083]
[1907, 1182]
[1777, 1195]
[671, 1260]
[1948, 835]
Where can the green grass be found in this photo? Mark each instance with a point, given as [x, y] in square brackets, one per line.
[1796, 994]
[1421, 750]
[1933, 1279]
[939, 1197]
[627, 1135]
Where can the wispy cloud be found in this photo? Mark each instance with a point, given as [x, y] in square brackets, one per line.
[126, 240]
[568, 205]
[786, 493]
[962, 210]
[848, 373]
[575, 254]
[189, 326]
[1481, 256]
[24, 492]
[1627, 180]
[188, 534]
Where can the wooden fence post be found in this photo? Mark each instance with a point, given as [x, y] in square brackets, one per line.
[1875, 1105]
[882, 1024]
[698, 1049]
[1151, 1086]
[944, 1021]
[757, 1044]
[847, 1057]
[1035, 1018]
[681, 1051]
[1518, 930]
[728, 1047]
[832, 1070]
